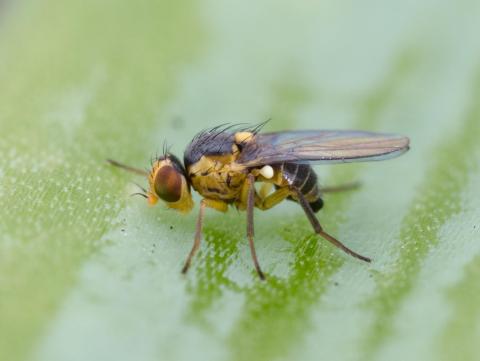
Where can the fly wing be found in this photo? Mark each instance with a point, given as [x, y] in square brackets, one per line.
[321, 146]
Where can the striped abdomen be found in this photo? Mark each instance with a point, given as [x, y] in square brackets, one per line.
[303, 177]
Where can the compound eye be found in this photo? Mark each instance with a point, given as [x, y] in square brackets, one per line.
[168, 184]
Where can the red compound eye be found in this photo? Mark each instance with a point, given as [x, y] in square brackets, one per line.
[168, 184]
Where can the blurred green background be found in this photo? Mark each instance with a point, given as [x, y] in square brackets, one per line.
[89, 273]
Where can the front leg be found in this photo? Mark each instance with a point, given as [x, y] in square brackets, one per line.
[219, 206]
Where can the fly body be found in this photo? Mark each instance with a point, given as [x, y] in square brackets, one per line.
[223, 164]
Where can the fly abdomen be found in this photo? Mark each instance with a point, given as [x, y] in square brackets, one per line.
[303, 177]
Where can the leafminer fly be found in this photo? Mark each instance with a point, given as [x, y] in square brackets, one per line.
[223, 164]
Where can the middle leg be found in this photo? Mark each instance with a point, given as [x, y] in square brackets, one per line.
[250, 229]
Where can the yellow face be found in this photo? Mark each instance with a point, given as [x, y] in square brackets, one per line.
[168, 183]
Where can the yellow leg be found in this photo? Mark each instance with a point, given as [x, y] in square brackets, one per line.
[273, 199]
[262, 200]
[265, 190]
[242, 202]
[215, 204]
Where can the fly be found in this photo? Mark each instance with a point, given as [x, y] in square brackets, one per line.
[223, 164]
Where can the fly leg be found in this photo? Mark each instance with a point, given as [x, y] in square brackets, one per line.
[273, 199]
[250, 230]
[319, 230]
[198, 237]
[340, 188]
[219, 206]
[127, 167]
[265, 190]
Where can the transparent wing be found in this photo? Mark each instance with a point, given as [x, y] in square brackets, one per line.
[321, 146]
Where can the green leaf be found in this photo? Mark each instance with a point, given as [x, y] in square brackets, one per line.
[88, 272]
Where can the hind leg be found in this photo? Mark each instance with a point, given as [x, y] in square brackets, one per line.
[319, 230]
[270, 201]
[340, 188]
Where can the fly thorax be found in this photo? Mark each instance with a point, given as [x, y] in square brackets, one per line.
[216, 177]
